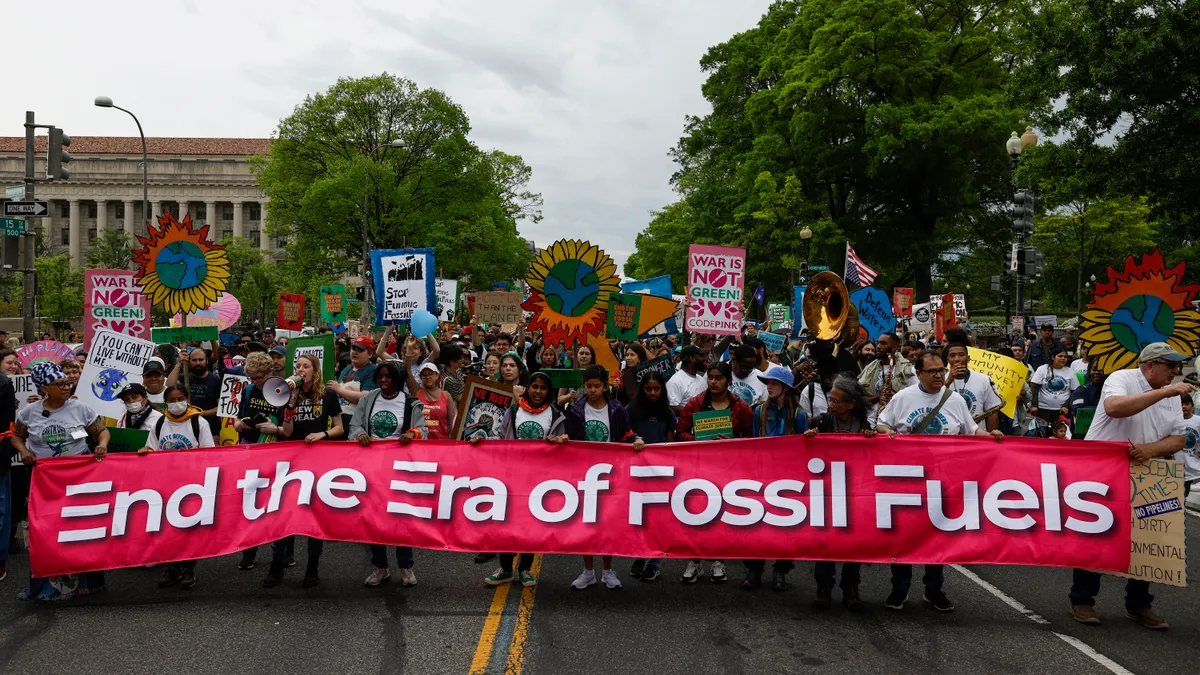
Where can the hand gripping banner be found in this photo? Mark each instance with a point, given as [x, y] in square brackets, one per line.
[909, 499]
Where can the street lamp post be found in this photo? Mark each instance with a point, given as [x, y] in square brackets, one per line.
[1013, 146]
[805, 236]
[368, 288]
[106, 102]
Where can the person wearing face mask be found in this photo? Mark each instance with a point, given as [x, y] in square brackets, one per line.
[204, 388]
[139, 414]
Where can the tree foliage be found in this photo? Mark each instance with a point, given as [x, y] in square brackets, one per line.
[332, 161]
[112, 250]
[59, 288]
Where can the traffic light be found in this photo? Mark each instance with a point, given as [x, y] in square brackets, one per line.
[1031, 262]
[1023, 212]
[1039, 262]
[56, 156]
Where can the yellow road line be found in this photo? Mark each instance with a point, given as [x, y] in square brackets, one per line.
[483, 650]
[516, 650]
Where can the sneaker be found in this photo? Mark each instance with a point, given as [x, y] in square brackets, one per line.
[311, 576]
[498, 577]
[247, 563]
[289, 561]
[692, 573]
[1085, 614]
[377, 576]
[187, 579]
[610, 579]
[650, 573]
[3, 570]
[587, 578]
[1147, 617]
[717, 572]
[939, 600]
[823, 599]
[639, 566]
[851, 600]
[484, 557]
[753, 579]
[527, 579]
[274, 576]
[170, 577]
[779, 581]
[407, 577]
[896, 599]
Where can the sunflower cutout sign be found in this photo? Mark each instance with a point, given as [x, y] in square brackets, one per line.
[1145, 302]
[179, 269]
[569, 285]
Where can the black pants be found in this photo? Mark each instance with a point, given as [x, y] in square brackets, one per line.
[523, 565]
[825, 571]
[780, 566]
[1085, 586]
[289, 543]
[902, 577]
[287, 546]
[182, 565]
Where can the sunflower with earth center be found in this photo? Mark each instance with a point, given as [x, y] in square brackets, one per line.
[570, 283]
[179, 269]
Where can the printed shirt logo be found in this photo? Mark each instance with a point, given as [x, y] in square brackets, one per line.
[742, 391]
[1056, 384]
[175, 442]
[532, 431]
[55, 436]
[597, 431]
[1190, 439]
[939, 425]
[384, 424]
[970, 398]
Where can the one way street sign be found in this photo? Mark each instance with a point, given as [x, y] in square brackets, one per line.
[26, 208]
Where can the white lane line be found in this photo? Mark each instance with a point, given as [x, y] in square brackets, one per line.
[1109, 664]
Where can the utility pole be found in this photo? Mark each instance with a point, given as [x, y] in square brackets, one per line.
[28, 308]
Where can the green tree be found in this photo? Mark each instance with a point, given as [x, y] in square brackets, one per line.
[59, 288]
[111, 251]
[253, 280]
[336, 183]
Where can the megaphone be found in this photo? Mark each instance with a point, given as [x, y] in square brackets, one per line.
[278, 390]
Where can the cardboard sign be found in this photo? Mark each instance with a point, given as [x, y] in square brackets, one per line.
[712, 423]
[447, 300]
[564, 378]
[404, 283]
[223, 313]
[1157, 545]
[624, 313]
[172, 336]
[502, 307]
[23, 384]
[1008, 374]
[114, 362]
[716, 289]
[779, 314]
[960, 306]
[874, 311]
[773, 341]
[291, 312]
[320, 346]
[112, 300]
[232, 388]
[902, 302]
[659, 287]
[126, 440]
[482, 408]
[333, 304]
[663, 365]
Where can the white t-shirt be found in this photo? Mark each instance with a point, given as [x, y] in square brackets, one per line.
[179, 436]
[147, 424]
[595, 423]
[682, 387]
[156, 398]
[1057, 384]
[61, 434]
[1190, 455]
[387, 416]
[1153, 424]
[533, 427]
[751, 390]
[819, 405]
[977, 391]
[348, 408]
[1080, 369]
[910, 405]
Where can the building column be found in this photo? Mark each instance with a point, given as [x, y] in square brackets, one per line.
[130, 219]
[155, 211]
[264, 242]
[210, 219]
[101, 217]
[237, 220]
[183, 210]
[75, 236]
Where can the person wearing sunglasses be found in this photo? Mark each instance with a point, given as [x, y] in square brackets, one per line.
[1141, 407]
[930, 407]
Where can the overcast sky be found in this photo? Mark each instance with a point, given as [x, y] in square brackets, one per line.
[592, 95]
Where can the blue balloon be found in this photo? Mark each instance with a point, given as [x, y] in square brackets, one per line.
[423, 323]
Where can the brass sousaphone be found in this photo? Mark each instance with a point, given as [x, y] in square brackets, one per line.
[828, 312]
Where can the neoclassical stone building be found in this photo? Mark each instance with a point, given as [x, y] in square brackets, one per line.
[207, 177]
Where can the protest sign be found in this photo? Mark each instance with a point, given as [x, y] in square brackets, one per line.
[902, 302]
[874, 311]
[482, 408]
[404, 283]
[112, 300]
[333, 304]
[126, 440]
[773, 341]
[320, 346]
[1083, 420]
[23, 384]
[291, 312]
[564, 378]
[662, 365]
[43, 350]
[1043, 319]
[716, 289]
[1157, 534]
[179, 268]
[223, 314]
[960, 306]
[1008, 374]
[499, 307]
[712, 424]
[1017, 325]
[232, 388]
[659, 287]
[798, 311]
[779, 314]
[447, 300]
[114, 362]
[174, 336]
[624, 313]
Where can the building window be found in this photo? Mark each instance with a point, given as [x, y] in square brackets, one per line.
[66, 209]
[92, 210]
[254, 237]
[227, 212]
[91, 234]
[66, 237]
[226, 234]
[202, 211]
[120, 209]
[282, 242]
[254, 212]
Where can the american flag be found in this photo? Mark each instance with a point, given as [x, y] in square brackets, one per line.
[857, 272]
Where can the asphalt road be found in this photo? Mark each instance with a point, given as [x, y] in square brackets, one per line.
[451, 623]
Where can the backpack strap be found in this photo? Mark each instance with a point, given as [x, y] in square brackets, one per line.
[159, 425]
[196, 429]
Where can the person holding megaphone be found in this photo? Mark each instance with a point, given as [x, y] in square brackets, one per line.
[260, 416]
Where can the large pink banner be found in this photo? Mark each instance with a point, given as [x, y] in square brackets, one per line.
[112, 300]
[716, 289]
[909, 499]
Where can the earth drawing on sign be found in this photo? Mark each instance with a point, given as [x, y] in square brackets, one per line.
[572, 287]
[109, 384]
[181, 265]
[1141, 320]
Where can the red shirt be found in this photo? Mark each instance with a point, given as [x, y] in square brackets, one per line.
[437, 415]
[743, 417]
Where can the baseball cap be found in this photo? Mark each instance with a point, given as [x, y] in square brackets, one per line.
[278, 350]
[428, 365]
[154, 365]
[134, 389]
[779, 374]
[365, 342]
[1047, 326]
[1160, 350]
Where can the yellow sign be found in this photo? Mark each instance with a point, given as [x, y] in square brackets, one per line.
[1007, 374]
